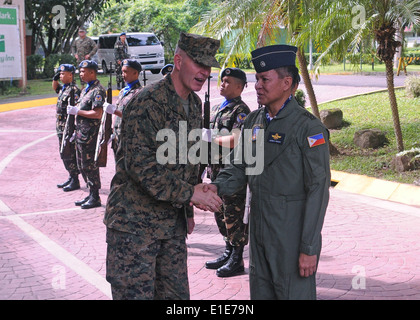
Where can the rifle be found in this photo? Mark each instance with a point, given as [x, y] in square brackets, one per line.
[105, 129]
[206, 125]
[66, 149]
[144, 77]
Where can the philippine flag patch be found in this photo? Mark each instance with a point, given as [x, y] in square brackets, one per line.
[316, 140]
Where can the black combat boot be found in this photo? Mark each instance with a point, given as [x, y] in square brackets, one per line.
[93, 201]
[234, 266]
[62, 185]
[219, 262]
[73, 185]
[80, 202]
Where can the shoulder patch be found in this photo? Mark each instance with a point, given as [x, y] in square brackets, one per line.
[98, 97]
[316, 140]
[241, 117]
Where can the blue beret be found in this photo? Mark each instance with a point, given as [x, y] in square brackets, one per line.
[167, 69]
[88, 64]
[273, 57]
[234, 72]
[67, 67]
[132, 64]
[122, 34]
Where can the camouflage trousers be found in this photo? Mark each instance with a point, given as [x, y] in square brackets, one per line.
[139, 270]
[230, 220]
[70, 163]
[118, 73]
[87, 165]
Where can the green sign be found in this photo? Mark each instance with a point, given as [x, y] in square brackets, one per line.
[8, 16]
[2, 44]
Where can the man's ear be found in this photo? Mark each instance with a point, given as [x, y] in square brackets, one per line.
[177, 61]
[288, 82]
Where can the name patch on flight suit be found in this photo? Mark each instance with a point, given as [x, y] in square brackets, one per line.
[276, 137]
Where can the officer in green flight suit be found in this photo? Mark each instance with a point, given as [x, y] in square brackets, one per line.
[290, 193]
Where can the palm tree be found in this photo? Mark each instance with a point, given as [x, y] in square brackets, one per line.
[244, 25]
[381, 18]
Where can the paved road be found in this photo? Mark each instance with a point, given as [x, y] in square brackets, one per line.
[50, 249]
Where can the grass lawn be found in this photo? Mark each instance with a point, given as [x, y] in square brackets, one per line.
[374, 111]
[43, 86]
[349, 68]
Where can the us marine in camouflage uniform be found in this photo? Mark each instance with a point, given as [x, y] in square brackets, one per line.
[228, 118]
[83, 48]
[120, 54]
[66, 75]
[148, 213]
[89, 113]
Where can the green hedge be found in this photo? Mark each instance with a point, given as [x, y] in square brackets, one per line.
[38, 67]
[34, 66]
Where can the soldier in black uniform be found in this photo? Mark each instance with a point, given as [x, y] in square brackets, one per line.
[66, 75]
[88, 119]
[226, 122]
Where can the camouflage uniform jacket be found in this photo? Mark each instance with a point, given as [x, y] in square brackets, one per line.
[91, 98]
[121, 50]
[63, 100]
[84, 46]
[123, 100]
[147, 198]
[230, 117]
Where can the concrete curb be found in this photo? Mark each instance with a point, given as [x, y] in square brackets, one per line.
[36, 103]
[376, 188]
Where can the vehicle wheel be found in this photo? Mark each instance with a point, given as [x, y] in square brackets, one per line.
[155, 71]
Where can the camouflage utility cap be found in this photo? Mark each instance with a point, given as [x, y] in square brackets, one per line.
[201, 49]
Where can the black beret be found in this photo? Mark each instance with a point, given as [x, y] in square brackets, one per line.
[234, 72]
[273, 57]
[132, 64]
[88, 64]
[67, 67]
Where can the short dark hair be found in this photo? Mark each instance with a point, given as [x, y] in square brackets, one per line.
[289, 71]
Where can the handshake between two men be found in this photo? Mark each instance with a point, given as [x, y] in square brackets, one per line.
[205, 198]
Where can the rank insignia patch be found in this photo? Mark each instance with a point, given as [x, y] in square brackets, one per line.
[316, 140]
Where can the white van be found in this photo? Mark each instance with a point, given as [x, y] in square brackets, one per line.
[142, 46]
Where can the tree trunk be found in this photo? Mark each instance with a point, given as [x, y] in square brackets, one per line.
[311, 93]
[393, 102]
[308, 83]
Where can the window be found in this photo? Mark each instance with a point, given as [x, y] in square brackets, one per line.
[142, 40]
